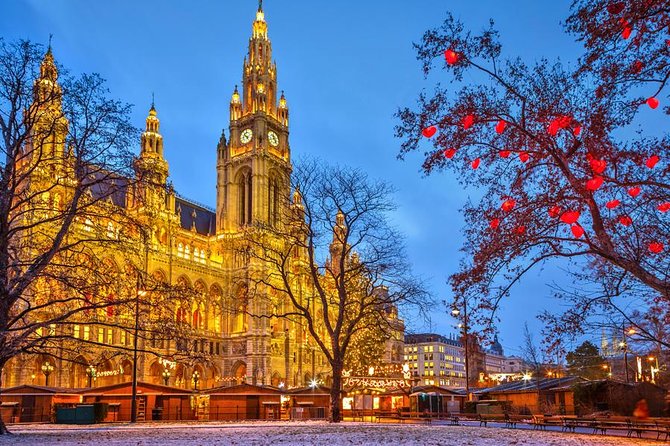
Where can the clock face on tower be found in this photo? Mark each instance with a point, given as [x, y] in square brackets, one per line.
[273, 138]
[246, 136]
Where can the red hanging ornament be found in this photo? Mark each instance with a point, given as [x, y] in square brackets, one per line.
[451, 56]
[656, 247]
[653, 103]
[594, 183]
[634, 191]
[664, 207]
[577, 230]
[428, 132]
[577, 130]
[475, 163]
[598, 166]
[626, 32]
[494, 223]
[625, 220]
[554, 211]
[449, 153]
[612, 204]
[468, 121]
[570, 217]
[520, 229]
[508, 205]
[524, 157]
[500, 126]
[652, 161]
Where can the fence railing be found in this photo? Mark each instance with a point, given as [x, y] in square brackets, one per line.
[17, 414]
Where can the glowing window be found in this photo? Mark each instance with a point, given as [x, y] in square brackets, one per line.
[180, 250]
[187, 251]
[76, 331]
[87, 332]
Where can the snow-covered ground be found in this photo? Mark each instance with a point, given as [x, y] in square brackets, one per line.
[298, 433]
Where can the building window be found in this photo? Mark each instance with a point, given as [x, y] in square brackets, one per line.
[76, 331]
[87, 332]
[180, 250]
[110, 336]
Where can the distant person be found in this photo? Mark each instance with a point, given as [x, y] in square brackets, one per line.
[641, 410]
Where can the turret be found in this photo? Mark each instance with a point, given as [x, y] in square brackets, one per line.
[151, 168]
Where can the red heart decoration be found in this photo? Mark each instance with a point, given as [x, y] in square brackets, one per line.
[468, 121]
[524, 157]
[634, 191]
[554, 211]
[637, 67]
[652, 160]
[594, 183]
[615, 8]
[626, 32]
[664, 207]
[612, 204]
[508, 205]
[577, 230]
[520, 229]
[553, 128]
[500, 126]
[564, 121]
[428, 132]
[570, 217]
[625, 220]
[656, 247]
[449, 153]
[494, 223]
[475, 163]
[598, 166]
[577, 130]
[451, 56]
[504, 153]
[652, 102]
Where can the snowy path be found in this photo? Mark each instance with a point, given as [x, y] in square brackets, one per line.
[303, 433]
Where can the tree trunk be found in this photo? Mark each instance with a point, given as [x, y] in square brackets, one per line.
[335, 395]
[3, 428]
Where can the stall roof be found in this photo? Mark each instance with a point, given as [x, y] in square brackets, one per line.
[531, 385]
[243, 389]
[39, 390]
[143, 388]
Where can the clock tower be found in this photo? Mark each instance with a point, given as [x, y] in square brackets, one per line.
[254, 165]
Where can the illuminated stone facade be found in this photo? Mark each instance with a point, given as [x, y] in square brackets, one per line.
[194, 246]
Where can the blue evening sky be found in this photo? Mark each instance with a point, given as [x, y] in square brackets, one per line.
[346, 66]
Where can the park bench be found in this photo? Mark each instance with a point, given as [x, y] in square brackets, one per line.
[538, 422]
[485, 418]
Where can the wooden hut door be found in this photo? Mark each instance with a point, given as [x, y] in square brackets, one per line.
[28, 409]
[253, 411]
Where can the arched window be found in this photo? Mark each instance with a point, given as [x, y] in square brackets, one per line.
[182, 316]
[244, 197]
[180, 250]
[273, 201]
[110, 230]
[196, 254]
[187, 251]
[197, 319]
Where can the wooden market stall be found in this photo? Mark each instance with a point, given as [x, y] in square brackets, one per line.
[154, 401]
[28, 403]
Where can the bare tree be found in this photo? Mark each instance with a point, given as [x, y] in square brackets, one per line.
[70, 250]
[334, 263]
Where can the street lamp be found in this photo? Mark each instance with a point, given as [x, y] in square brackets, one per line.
[195, 378]
[456, 312]
[91, 373]
[166, 376]
[47, 369]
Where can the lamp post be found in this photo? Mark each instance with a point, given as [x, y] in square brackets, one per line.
[166, 376]
[456, 312]
[624, 346]
[195, 378]
[91, 373]
[47, 369]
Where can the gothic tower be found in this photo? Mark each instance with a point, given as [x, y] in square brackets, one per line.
[254, 165]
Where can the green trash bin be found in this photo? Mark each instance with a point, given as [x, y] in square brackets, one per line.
[82, 414]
